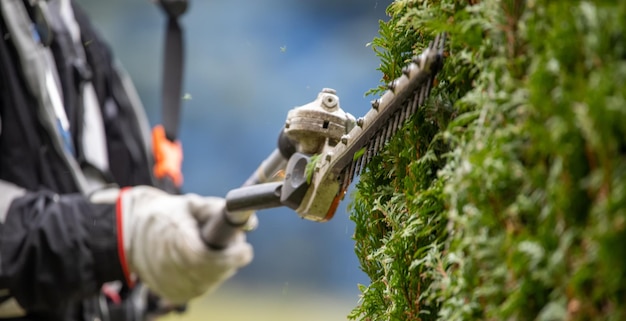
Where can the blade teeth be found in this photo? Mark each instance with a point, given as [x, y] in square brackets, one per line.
[374, 146]
[408, 108]
[346, 178]
[369, 153]
[377, 142]
[396, 123]
[422, 96]
[357, 166]
[386, 131]
[440, 47]
[416, 99]
[365, 157]
[393, 121]
[361, 164]
[412, 104]
[389, 132]
[440, 42]
[424, 93]
[400, 116]
[364, 162]
[404, 112]
[352, 169]
[380, 137]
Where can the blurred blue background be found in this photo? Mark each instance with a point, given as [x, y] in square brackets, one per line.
[247, 64]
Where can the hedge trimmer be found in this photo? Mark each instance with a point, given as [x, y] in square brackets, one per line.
[321, 148]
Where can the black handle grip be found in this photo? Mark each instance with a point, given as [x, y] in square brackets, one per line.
[255, 194]
[220, 231]
[240, 204]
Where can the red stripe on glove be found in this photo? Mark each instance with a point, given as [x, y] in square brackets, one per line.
[120, 239]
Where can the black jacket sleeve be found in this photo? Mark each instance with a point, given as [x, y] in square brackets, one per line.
[54, 249]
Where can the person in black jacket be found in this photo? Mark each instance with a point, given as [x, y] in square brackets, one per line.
[84, 235]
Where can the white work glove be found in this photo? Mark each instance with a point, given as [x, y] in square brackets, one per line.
[163, 246]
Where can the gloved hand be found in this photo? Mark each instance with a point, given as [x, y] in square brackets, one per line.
[162, 244]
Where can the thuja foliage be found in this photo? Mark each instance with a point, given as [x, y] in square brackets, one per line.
[504, 197]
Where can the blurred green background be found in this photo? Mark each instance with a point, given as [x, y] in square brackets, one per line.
[268, 304]
[247, 64]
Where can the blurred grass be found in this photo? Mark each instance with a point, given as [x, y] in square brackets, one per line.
[280, 303]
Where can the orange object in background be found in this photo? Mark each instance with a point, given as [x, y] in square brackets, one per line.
[168, 156]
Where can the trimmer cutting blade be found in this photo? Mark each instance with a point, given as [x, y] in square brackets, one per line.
[336, 167]
[321, 148]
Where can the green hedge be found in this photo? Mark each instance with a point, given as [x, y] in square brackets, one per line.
[504, 198]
